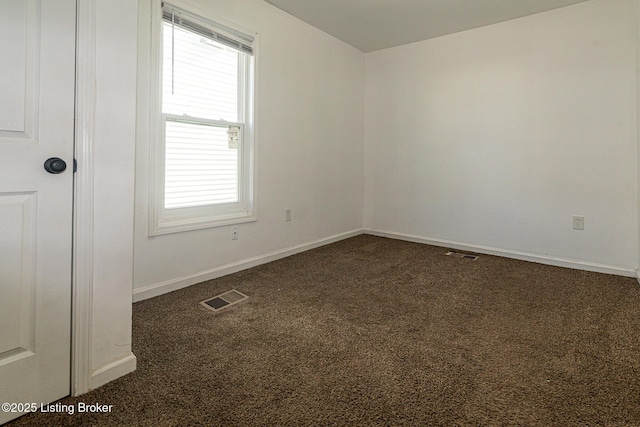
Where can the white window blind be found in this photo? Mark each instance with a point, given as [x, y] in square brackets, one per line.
[200, 167]
[208, 29]
[203, 106]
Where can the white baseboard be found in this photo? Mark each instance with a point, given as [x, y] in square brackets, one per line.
[182, 282]
[113, 371]
[524, 256]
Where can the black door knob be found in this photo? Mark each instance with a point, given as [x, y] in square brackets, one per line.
[55, 165]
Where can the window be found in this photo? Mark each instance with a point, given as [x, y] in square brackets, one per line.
[203, 154]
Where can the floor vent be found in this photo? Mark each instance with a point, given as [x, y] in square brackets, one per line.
[224, 300]
[461, 255]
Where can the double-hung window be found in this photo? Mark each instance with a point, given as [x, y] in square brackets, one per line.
[204, 142]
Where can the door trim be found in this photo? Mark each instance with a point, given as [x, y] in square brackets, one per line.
[82, 282]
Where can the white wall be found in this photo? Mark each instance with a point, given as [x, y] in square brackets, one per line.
[309, 152]
[113, 193]
[493, 138]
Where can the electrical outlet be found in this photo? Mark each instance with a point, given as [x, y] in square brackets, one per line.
[578, 222]
[288, 215]
[234, 233]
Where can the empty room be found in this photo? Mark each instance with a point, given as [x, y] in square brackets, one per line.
[299, 212]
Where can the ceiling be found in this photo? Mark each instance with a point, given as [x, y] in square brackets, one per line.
[378, 24]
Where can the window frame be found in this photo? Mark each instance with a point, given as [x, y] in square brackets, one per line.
[174, 220]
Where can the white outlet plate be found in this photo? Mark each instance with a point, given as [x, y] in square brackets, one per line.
[578, 222]
[234, 233]
[288, 215]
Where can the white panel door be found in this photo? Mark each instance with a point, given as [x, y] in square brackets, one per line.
[37, 64]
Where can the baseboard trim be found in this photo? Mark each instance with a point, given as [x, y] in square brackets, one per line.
[113, 370]
[523, 256]
[182, 282]
[638, 276]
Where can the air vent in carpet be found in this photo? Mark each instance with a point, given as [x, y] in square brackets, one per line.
[462, 255]
[224, 300]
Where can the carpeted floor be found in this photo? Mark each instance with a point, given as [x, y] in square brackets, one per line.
[378, 332]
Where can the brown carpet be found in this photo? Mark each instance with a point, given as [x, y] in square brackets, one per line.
[378, 332]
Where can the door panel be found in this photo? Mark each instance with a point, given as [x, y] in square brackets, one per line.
[17, 263]
[18, 46]
[37, 44]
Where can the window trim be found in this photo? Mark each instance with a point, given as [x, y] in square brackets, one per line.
[166, 221]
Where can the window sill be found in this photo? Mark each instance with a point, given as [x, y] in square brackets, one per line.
[175, 225]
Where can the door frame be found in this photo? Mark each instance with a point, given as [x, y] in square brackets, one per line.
[83, 231]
